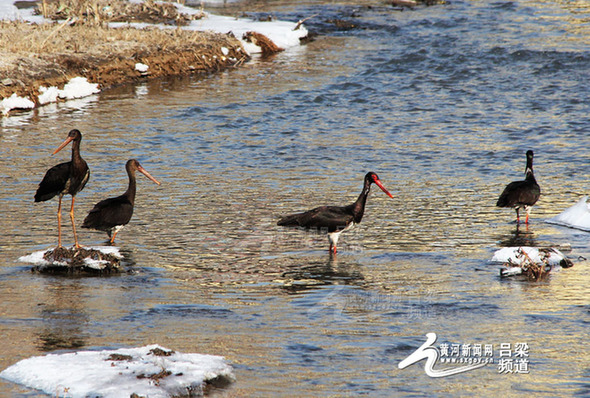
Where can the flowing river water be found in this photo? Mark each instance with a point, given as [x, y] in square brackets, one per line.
[441, 102]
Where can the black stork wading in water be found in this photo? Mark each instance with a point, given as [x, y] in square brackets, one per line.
[112, 214]
[65, 178]
[334, 220]
[523, 193]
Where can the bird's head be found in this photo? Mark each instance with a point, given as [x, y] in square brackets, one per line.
[73, 135]
[374, 178]
[133, 165]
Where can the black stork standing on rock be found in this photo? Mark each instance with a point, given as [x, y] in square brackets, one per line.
[334, 220]
[523, 193]
[112, 214]
[65, 178]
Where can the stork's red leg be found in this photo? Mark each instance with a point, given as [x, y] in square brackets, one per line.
[74, 223]
[59, 222]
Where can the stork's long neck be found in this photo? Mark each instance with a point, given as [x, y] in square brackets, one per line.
[528, 172]
[76, 158]
[358, 207]
[131, 189]
[78, 166]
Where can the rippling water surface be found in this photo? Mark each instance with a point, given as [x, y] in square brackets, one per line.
[442, 102]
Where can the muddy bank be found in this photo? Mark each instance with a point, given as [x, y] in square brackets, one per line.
[51, 54]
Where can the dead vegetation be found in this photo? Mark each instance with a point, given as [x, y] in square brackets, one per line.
[99, 12]
[414, 3]
[267, 45]
[62, 260]
[119, 357]
[33, 55]
[536, 271]
[158, 352]
[155, 377]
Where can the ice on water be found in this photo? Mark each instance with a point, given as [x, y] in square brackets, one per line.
[576, 216]
[120, 373]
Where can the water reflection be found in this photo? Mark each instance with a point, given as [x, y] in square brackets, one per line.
[64, 316]
[522, 235]
[128, 260]
[312, 273]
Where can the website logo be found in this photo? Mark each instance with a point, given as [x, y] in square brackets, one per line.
[511, 358]
[432, 355]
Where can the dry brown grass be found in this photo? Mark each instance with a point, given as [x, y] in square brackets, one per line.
[23, 38]
[96, 12]
[50, 54]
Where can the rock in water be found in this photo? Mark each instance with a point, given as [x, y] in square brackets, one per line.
[63, 260]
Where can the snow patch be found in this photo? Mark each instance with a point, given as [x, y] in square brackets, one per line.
[15, 102]
[36, 258]
[78, 87]
[282, 33]
[150, 371]
[141, 68]
[534, 262]
[577, 216]
[48, 95]
[513, 255]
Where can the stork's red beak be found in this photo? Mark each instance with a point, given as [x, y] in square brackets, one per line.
[63, 145]
[380, 185]
[148, 175]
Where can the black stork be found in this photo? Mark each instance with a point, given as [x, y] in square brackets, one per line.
[65, 178]
[523, 193]
[112, 214]
[334, 220]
